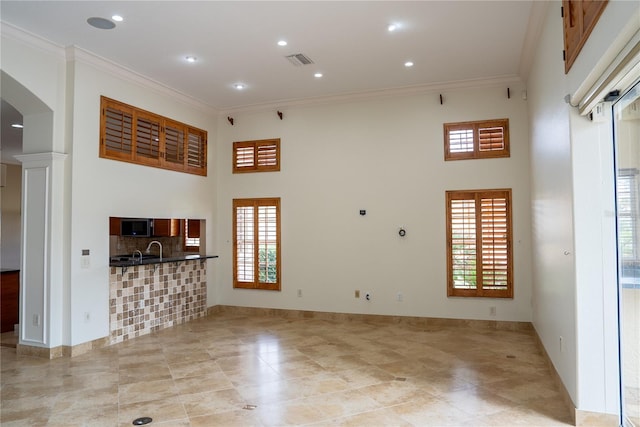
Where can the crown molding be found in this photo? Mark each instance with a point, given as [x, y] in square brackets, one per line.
[12, 32]
[77, 54]
[383, 93]
[532, 36]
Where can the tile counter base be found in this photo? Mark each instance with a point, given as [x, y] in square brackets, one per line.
[148, 298]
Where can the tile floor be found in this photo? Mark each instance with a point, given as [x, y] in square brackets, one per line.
[293, 372]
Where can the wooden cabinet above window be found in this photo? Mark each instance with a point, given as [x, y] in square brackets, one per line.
[133, 135]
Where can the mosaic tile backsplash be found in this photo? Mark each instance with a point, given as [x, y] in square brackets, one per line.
[146, 298]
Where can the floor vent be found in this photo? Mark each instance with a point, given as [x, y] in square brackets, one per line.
[299, 59]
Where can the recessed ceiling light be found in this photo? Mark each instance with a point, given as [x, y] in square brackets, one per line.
[408, 64]
[117, 18]
[282, 43]
[392, 27]
[17, 125]
[101, 23]
[190, 58]
[239, 86]
[317, 75]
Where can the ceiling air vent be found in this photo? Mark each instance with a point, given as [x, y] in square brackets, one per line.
[299, 59]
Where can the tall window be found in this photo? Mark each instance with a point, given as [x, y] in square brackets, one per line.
[256, 242]
[476, 140]
[627, 214]
[479, 243]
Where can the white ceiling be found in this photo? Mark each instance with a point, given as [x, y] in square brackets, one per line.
[236, 41]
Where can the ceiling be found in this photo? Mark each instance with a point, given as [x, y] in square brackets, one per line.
[237, 42]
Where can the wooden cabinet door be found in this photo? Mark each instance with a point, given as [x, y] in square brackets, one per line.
[9, 300]
[166, 227]
[114, 226]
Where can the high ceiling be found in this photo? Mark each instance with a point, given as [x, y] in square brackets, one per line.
[237, 42]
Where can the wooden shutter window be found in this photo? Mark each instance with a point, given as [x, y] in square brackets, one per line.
[479, 243]
[118, 130]
[133, 135]
[579, 17]
[256, 258]
[476, 140]
[256, 156]
[148, 139]
[174, 142]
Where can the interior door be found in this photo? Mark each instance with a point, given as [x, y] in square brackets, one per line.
[626, 127]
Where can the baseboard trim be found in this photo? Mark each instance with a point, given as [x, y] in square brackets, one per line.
[596, 419]
[62, 350]
[373, 318]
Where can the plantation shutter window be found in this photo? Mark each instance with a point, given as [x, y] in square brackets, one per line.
[256, 257]
[476, 140]
[133, 135]
[174, 142]
[256, 156]
[147, 139]
[479, 243]
[192, 235]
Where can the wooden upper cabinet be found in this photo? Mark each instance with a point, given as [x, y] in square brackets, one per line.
[114, 226]
[166, 227]
[579, 18]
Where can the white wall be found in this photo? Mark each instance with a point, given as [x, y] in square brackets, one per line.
[572, 196]
[384, 155]
[11, 198]
[102, 188]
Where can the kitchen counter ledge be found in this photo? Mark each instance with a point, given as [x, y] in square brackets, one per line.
[147, 261]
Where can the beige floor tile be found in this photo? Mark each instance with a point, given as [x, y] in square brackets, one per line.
[296, 372]
[159, 410]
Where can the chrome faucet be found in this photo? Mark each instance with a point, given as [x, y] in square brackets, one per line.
[137, 251]
[159, 244]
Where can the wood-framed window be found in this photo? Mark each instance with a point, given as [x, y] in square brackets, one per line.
[479, 243]
[256, 156]
[482, 139]
[256, 243]
[191, 235]
[136, 136]
[579, 17]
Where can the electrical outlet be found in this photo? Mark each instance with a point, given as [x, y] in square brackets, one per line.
[357, 294]
[367, 296]
[492, 311]
[299, 293]
[561, 344]
[399, 297]
[36, 320]
[87, 317]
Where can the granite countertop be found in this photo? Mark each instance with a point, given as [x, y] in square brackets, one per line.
[128, 260]
[9, 270]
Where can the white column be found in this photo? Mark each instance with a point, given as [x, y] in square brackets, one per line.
[41, 287]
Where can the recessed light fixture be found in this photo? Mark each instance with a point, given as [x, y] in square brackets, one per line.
[17, 125]
[101, 23]
[239, 86]
[282, 43]
[117, 18]
[317, 75]
[190, 58]
[392, 27]
[408, 64]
